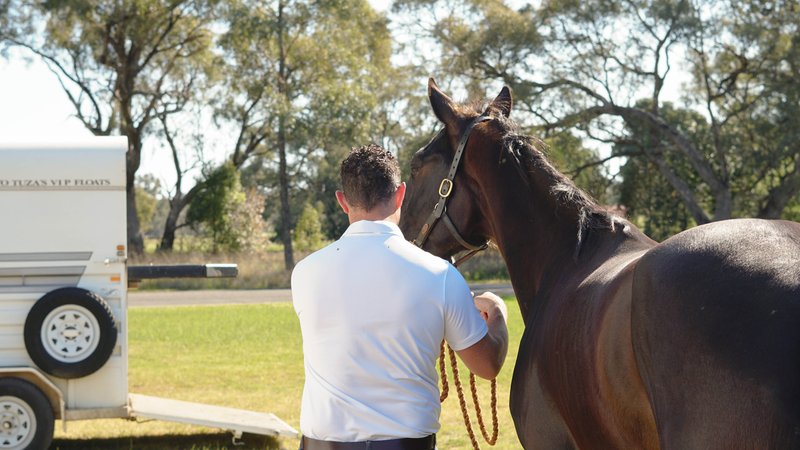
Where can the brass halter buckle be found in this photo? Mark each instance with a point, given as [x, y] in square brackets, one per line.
[445, 188]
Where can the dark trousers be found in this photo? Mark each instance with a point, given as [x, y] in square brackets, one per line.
[425, 443]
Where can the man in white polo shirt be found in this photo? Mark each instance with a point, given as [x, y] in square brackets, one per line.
[373, 311]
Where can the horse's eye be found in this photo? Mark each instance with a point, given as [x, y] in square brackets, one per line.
[415, 166]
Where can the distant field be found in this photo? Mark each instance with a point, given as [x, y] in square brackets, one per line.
[243, 356]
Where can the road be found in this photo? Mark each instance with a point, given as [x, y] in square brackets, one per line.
[245, 297]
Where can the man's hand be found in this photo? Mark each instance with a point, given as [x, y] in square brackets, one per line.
[490, 305]
[486, 357]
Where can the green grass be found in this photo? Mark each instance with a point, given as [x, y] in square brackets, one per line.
[243, 356]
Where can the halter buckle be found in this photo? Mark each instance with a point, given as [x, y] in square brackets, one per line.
[445, 188]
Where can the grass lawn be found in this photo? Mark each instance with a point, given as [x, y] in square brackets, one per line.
[242, 356]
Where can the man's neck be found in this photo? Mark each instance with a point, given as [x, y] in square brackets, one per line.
[374, 216]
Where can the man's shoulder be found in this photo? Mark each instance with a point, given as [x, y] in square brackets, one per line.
[417, 256]
[313, 259]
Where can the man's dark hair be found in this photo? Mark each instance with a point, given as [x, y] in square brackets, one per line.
[370, 175]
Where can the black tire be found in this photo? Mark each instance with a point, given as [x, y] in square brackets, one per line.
[70, 333]
[26, 416]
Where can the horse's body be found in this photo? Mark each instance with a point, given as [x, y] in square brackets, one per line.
[629, 344]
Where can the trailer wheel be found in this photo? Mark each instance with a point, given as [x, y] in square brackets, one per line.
[70, 333]
[26, 417]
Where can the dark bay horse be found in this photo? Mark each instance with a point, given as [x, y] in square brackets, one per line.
[693, 343]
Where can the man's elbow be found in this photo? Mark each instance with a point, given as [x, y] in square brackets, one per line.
[486, 358]
[495, 359]
[489, 370]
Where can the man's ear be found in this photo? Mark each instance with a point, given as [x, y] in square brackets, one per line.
[442, 105]
[399, 195]
[342, 202]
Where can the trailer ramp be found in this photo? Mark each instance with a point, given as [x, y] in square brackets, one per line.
[237, 421]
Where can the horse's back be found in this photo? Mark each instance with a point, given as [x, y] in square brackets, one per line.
[716, 331]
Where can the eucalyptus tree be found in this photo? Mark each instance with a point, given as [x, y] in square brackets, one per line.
[304, 82]
[121, 64]
[603, 68]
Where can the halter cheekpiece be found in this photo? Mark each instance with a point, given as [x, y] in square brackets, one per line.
[445, 189]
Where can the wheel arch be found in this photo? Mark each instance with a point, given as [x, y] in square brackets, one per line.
[50, 390]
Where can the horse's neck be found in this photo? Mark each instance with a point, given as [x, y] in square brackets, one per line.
[539, 223]
[535, 236]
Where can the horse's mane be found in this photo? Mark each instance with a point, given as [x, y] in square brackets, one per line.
[529, 154]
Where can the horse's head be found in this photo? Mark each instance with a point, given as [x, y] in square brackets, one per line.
[442, 208]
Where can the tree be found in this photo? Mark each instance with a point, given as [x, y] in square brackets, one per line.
[651, 200]
[121, 64]
[568, 154]
[308, 232]
[178, 198]
[248, 220]
[215, 206]
[588, 65]
[304, 79]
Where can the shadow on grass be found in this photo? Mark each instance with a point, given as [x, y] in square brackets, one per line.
[205, 441]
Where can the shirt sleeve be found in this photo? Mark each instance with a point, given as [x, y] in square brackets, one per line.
[464, 325]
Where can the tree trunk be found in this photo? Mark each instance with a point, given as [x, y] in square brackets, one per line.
[283, 171]
[782, 194]
[135, 239]
[176, 206]
[286, 216]
[170, 227]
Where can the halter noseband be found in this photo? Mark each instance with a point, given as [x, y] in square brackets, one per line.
[440, 209]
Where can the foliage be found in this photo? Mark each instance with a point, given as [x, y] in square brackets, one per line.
[147, 204]
[232, 215]
[248, 220]
[652, 201]
[307, 234]
[567, 153]
[221, 197]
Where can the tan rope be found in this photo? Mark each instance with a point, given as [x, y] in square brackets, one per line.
[491, 440]
[445, 385]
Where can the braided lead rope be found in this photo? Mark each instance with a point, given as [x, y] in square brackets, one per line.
[445, 385]
[491, 440]
[461, 399]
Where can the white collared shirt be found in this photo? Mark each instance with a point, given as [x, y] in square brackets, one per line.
[373, 311]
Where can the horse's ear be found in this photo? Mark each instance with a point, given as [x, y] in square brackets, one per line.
[503, 101]
[441, 103]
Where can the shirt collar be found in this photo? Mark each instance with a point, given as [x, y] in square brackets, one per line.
[373, 227]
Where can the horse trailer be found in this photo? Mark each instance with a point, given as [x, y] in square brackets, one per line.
[63, 297]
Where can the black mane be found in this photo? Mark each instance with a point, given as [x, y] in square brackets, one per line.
[529, 154]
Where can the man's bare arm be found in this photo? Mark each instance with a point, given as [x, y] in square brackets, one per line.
[485, 358]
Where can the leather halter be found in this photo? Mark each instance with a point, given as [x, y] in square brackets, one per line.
[440, 209]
